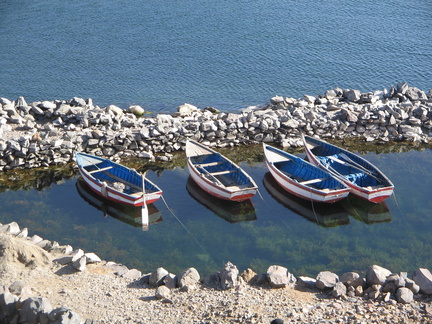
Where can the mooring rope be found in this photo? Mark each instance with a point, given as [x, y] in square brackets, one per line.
[183, 225]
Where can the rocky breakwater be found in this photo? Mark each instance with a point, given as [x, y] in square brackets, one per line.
[44, 133]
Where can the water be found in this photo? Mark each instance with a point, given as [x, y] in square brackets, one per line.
[205, 233]
[226, 54]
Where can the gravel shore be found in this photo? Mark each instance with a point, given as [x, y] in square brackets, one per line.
[98, 295]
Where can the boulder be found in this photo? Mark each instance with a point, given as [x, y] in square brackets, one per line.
[248, 275]
[326, 280]
[133, 274]
[136, 110]
[229, 276]
[64, 315]
[352, 279]
[339, 290]
[306, 282]
[189, 277]
[80, 264]
[92, 258]
[171, 281]
[186, 109]
[7, 304]
[163, 292]
[376, 275]
[352, 95]
[279, 277]
[34, 310]
[404, 295]
[157, 276]
[423, 278]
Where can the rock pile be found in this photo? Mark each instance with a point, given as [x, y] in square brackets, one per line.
[45, 133]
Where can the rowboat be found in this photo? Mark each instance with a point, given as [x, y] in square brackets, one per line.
[231, 211]
[217, 175]
[303, 179]
[115, 181]
[365, 179]
[325, 215]
[127, 214]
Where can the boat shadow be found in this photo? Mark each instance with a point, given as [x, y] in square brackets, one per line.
[329, 215]
[231, 211]
[127, 214]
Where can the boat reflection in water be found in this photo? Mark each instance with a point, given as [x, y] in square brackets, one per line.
[326, 215]
[231, 211]
[366, 211]
[128, 214]
[329, 215]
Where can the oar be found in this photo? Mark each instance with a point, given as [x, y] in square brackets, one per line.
[144, 209]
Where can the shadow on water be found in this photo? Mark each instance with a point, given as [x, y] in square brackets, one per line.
[231, 211]
[329, 215]
[128, 214]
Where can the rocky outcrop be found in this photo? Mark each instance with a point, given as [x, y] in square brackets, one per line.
[44, 133]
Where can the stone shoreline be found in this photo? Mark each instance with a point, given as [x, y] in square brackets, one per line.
[45, 133]
[32, 266]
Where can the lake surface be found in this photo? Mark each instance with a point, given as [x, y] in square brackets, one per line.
[227, 54]
[200, 231]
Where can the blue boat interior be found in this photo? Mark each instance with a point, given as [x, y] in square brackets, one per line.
[112, 173]
[350, 167]
[300, 171]
[216, 168]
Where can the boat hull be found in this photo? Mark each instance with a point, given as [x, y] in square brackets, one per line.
[219, 191]
[303, 179]
[100, 187]
[376, 194]
[304, 192]
[217, 175]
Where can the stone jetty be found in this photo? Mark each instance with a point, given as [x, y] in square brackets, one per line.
[45, 133]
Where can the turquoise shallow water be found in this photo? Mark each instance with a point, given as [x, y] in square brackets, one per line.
[226, 54]
[205, 233]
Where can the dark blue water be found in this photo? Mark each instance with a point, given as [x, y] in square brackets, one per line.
[226, 54]
[205, 233]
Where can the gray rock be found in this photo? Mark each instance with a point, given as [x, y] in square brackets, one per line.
[352, 95]
[186, 109]
[423, 278]
[352, 279]
[80, 264]
[326, 280]
[229, 276]
[133, 274]
[163, 292]
[376, 275]
[279, 277]
[92, 258]
[157, 276]
[306, 282]
[404, 295]
[7, 303]
[410, 284]
[33, 309]
[18, 287]
[171, 281]
[339, 290]
[11, 228]
[189, 277]
[63, 315]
